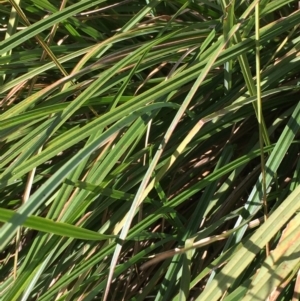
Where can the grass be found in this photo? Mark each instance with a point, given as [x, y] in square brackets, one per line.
[149, 150]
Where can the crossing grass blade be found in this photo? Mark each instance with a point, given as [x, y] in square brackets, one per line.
[46, 225]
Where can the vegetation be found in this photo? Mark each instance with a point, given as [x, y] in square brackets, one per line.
[149, 150]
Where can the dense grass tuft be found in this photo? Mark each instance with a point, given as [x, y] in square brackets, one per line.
[149, 150]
